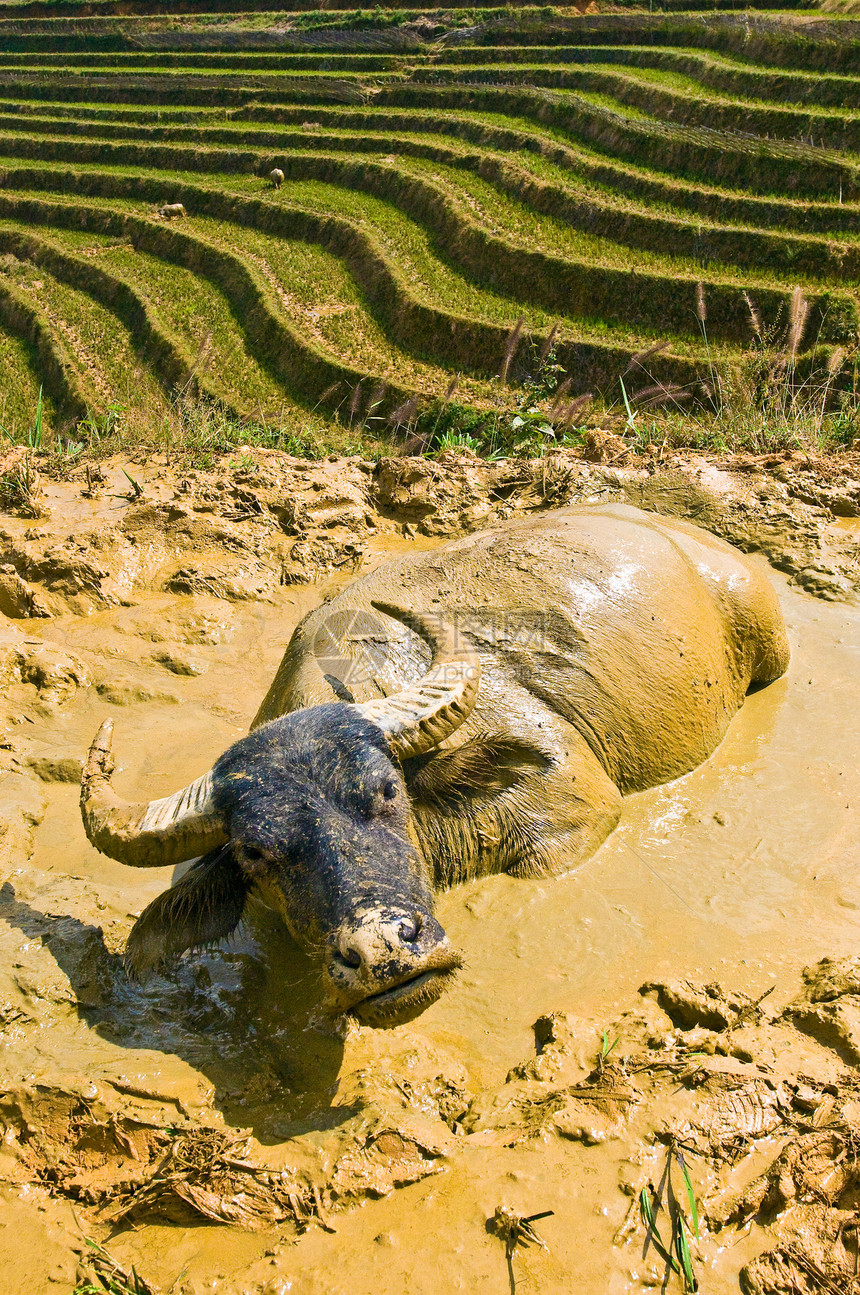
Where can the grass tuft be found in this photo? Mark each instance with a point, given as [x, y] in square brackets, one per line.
[106, 1277]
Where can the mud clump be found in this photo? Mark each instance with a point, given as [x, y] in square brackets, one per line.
[237, 534]
[829, 1007]
[696, 1088]
[689, 1005]
[126, 1170]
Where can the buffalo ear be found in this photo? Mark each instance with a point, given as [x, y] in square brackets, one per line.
[482, 768]
[203, 907]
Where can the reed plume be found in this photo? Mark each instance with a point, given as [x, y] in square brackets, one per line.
[575, 408]
[560, 394]
[549, 342]
[755, 317]
[641, 356]
[511, 348]
[403, 414]
[798, 314]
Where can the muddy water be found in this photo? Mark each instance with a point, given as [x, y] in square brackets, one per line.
[744, 872]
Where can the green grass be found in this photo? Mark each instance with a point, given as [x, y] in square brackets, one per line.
[198, 316]
[539, 258]
[19, 389]
[100, 349]
[403, 240]
[655, 92]
[446, 202]
[719, 73]
[317, 292]
[537, 148]
[645, 227]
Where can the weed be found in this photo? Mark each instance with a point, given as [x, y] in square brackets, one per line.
[32, 438]
[20, 489]
[107, 1277]
[102, 427]
[20, 486]
[517, 1230]
[606, 1049]
[652, 1200]
[531, 430]
[136, 491]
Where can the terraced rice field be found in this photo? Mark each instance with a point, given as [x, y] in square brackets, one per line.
[646, 194]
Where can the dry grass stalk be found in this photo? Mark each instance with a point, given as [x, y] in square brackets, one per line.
[21, 487]
[451, 390]
[755, 317]
[797, 316]
[638, 360]
[549, 341]
[513, 342]
[201, 362]
[701, 305]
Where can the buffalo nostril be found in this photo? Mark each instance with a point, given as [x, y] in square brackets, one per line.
[410, 928]
[349, 957]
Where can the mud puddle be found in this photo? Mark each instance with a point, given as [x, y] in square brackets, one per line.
[214, 1132]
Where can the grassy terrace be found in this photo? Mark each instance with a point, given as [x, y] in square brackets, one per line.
[477, 205]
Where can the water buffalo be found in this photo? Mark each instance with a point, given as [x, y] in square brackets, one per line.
[171, 210]
[276, 177]
[479, 708]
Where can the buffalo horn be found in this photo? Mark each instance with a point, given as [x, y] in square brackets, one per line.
[424, 714]
[150, 834]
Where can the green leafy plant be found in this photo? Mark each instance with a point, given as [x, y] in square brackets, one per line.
[136, 491]
[531, 430]
[107, 1277]
[675, 1250]
[606, 1048]
[459, 441]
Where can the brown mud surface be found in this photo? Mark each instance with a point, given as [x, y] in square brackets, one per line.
[213, 1131]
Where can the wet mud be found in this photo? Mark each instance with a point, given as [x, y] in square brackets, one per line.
[692, 991]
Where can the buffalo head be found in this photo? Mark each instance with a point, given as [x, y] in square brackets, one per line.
[311, 813]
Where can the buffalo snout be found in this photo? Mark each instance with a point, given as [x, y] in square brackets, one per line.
[385, 966]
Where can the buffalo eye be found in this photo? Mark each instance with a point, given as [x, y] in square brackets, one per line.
[254, 858]
[382, 798]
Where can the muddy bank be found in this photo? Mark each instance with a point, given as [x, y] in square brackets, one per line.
[263, 520]
[211, 1124]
